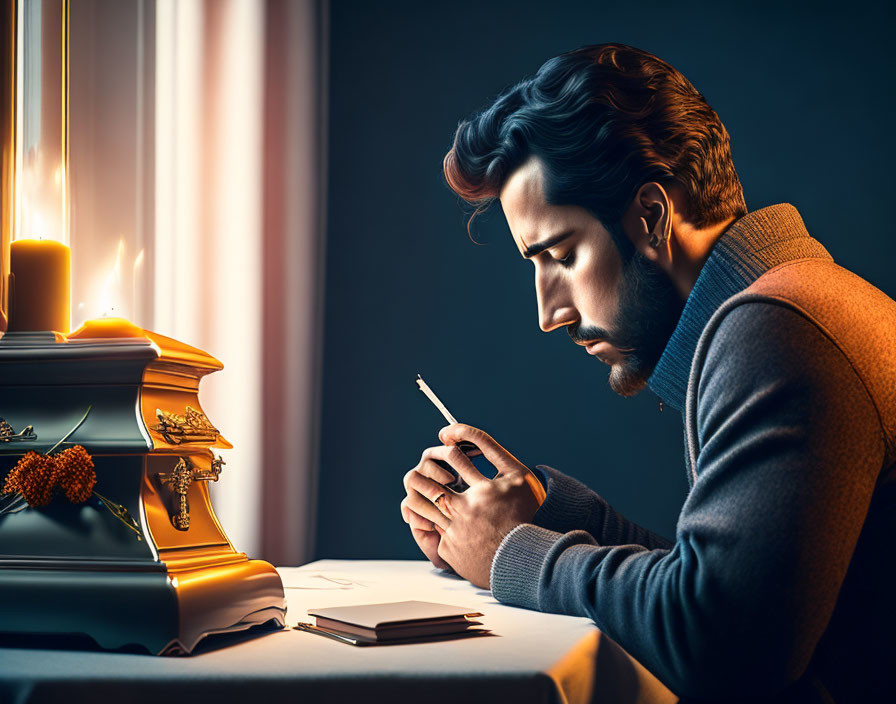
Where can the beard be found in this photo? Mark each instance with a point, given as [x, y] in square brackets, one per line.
[649, 309]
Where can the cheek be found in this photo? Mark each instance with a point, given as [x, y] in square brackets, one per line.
[597, 283]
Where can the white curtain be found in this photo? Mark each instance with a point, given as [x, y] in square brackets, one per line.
[225, 174]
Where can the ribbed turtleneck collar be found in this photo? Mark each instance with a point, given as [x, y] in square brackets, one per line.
[752, 245]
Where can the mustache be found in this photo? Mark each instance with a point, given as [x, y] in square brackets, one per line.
[590, 333]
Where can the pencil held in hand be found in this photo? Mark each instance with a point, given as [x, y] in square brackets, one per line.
[430, 394]
[468, 448]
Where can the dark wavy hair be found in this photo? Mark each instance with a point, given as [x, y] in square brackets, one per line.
[603, 120]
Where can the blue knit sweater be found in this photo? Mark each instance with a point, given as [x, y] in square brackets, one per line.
[773, 586]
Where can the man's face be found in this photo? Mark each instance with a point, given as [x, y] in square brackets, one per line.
[622, 312]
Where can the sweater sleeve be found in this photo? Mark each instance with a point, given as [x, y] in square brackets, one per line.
[570, 505]
[789, 448]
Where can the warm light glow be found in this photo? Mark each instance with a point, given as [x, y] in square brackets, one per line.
[110, 291]
[110, 298]
[118, 256]
[107, 297]
[40, 201]
[113, 294]
[40, 195]
[38, 227]
[208, 200]
[41, 122]
[136, 285]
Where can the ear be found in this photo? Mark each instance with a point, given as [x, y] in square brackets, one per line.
[648, 221]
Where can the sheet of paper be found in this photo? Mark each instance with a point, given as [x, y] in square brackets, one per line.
[326, 580]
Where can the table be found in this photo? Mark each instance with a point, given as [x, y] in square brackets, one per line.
[532, 657]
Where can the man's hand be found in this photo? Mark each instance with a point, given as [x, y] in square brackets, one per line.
[469, 526]
[423, 530]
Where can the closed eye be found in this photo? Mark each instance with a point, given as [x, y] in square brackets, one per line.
[568, 260]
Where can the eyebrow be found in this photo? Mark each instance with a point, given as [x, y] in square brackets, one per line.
[539, 247]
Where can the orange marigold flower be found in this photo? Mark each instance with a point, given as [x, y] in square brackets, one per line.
[24, 467]
[36, 479]
[37, 476]
[13, 482]
[75, 474]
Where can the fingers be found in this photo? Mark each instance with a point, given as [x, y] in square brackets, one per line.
[428, 488]
[428, 542]
[418, 522]
[423, 481]
[421, 505]
[414, 519]
[444, 551]
[455, 458]
[494, 453]
[429, 468]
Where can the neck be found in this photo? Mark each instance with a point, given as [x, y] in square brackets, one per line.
[688, 249]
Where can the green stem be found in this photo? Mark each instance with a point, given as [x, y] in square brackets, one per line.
[12, 502]
[70, 432]
[121, 513]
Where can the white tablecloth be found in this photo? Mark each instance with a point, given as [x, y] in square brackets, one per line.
[532, 657]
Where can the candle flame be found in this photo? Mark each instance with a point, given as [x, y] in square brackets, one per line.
[135, 285]
[111, 296]
[116, 287]
[38, 225]
[40, 199]
[118, 256]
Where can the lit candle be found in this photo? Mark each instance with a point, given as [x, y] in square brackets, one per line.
[40, 286]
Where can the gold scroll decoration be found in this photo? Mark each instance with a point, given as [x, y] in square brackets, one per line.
[179, 480]
[193, 426]
[7, 434]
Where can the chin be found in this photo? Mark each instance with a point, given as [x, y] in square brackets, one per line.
[626, 380]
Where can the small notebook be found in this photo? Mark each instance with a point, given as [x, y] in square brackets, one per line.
[379, 623]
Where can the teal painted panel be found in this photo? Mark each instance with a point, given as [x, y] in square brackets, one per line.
[86, 531]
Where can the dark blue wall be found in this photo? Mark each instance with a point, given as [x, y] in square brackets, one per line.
[806, 93]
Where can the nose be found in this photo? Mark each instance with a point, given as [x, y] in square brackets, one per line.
[555, 309]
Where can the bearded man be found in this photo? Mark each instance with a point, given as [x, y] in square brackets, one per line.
[617, 183]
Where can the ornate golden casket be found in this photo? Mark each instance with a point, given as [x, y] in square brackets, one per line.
[144, 561]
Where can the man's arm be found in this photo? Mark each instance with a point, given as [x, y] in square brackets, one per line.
[789, 451]
[570, 505]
